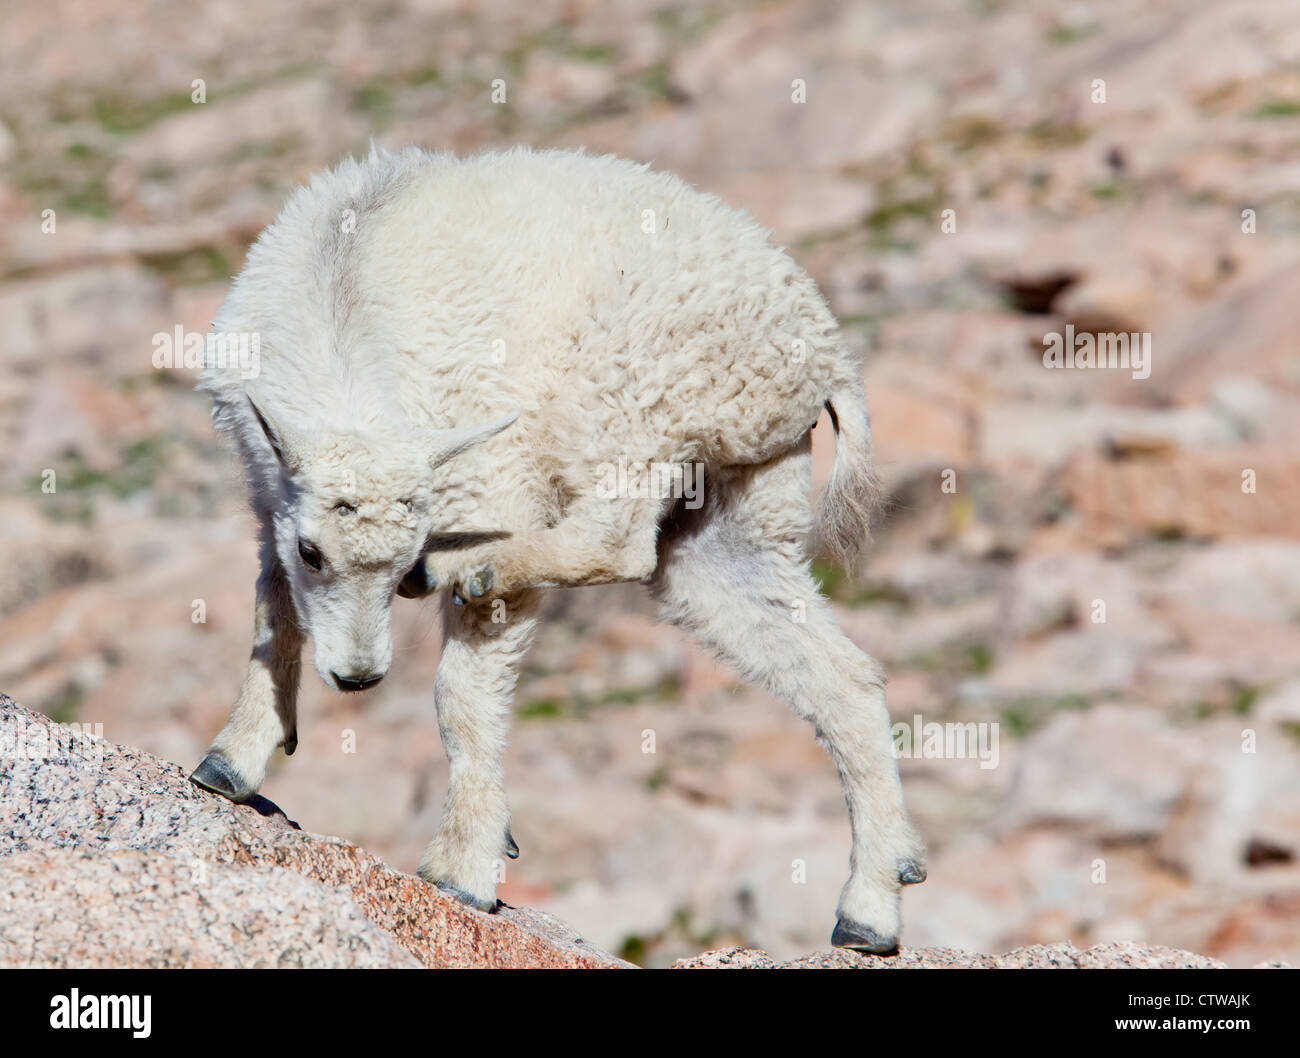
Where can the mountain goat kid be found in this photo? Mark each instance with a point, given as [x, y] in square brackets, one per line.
[453, 354]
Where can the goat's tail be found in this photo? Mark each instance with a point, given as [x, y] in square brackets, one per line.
[852, 496]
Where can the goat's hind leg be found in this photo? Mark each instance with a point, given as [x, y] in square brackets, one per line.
[736, 576]
[601, 541]
[265, 715]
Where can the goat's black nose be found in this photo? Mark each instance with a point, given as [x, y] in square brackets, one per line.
[356, 684]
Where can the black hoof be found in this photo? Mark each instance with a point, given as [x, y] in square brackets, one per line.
[467, 898]
[480, 582]
[857, 937]
[910, 872]
[215, 773]
[512, 850]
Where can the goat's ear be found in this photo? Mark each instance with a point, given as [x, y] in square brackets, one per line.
[447, 444]
[273, 436]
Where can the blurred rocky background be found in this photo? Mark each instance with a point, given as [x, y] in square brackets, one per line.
[1147, 785]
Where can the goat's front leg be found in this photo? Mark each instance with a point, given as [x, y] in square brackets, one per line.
[483, 646]
[265, 715]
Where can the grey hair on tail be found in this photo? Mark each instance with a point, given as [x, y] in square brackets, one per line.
[852, 499]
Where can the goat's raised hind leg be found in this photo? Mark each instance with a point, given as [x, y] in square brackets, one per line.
[735, 576]
[600, 541]
[265, 715]
[483, 646]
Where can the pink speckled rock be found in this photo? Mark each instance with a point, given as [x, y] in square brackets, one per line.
[110, 857]
[1035, 957]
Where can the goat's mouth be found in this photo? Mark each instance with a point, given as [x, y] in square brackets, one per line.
[353, 682]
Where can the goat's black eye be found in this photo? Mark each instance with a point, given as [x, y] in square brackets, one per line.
[310, 554]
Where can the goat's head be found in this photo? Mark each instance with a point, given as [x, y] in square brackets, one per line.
[356, 513]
